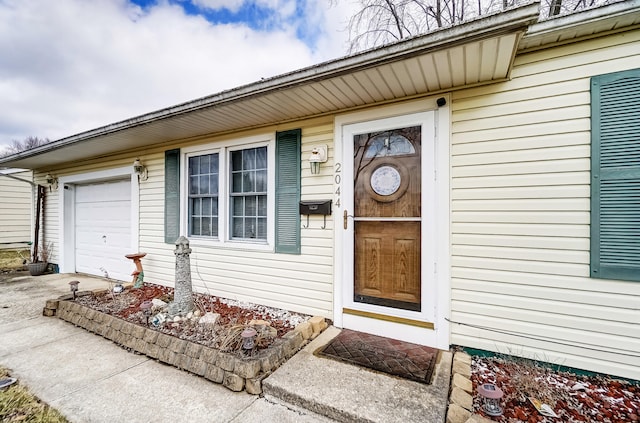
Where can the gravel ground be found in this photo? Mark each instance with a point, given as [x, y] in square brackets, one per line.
[573, 398]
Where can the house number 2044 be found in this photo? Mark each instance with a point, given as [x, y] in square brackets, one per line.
[337, 180]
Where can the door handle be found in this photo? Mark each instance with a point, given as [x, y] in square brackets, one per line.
[345, 219]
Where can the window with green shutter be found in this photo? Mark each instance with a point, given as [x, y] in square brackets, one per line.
[287, 230]
[240, 193]
[615, 176]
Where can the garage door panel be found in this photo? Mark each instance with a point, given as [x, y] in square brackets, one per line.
[108, 192]
[103, 228]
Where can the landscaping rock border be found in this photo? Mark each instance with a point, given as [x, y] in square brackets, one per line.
[460, 398]
[234, 372]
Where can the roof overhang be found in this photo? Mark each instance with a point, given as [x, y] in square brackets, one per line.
[587, 23]
[478, 52]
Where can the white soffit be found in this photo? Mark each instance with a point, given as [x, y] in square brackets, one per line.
[481, 51]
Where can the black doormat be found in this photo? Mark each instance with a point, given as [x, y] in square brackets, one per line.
[391, 356]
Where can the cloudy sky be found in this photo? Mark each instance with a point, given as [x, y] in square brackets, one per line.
[67, 66]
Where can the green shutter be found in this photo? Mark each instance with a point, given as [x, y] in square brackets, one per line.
[615, 176]
[171, 195]
[287, 225]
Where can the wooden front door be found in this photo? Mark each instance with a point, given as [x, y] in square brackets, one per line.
[387, 218]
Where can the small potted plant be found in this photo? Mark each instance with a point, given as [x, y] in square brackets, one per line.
[39, 266]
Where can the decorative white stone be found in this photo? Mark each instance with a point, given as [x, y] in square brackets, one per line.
[197, 313]
[209, 318]
[176, 319]
[189, 315]
[157, 302]
[579, 387]
[266, 331]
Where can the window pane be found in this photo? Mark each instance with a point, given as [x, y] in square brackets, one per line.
[206, 206]
[262, 205]
[238, 228]
[204, 164]
[261, 158]
[262, 228]
[214, 226]
[237, 183]
[249, 159]
[213, 184]
[194, 165]
[261, 181]
[206, 226]
[213, 168]
[194, 206]
[193, 185]
[250, 227]
[250, 206]
[238, 206]
[236, 160]
[195, 226]
[204, 185]
[214, 207]
[248, 182]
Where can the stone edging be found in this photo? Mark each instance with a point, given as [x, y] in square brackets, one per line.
[460, 400]
[236, 373]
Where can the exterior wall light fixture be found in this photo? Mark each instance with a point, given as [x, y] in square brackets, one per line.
[140, 170]
[52, 181]
[318, 155]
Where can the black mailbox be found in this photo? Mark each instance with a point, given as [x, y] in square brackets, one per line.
[315, 207]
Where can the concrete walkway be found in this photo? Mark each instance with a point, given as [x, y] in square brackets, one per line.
[353, 394]
[90, 379]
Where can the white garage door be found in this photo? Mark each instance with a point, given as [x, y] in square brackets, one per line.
[103, 228]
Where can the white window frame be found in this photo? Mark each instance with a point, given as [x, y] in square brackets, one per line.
[224, 149]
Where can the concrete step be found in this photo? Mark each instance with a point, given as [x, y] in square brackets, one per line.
[349, 393]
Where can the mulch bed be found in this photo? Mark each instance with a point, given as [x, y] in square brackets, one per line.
[126, 305]
[573, 398]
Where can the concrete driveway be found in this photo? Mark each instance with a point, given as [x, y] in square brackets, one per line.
[90, 379]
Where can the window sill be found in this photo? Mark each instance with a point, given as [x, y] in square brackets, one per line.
[231, 245]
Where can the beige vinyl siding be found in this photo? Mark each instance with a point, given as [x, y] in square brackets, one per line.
[15, 210]
[300, 283]
[520, 200]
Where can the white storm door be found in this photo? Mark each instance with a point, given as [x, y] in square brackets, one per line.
[389, 284]
[103, 228]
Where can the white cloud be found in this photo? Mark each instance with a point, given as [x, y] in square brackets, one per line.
[232, 5]
[72, 65]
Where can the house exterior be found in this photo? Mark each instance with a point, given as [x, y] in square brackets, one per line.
[476, 176]
[15, 208]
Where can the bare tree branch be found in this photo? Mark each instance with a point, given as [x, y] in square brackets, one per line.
[24, 145]
[380, 22]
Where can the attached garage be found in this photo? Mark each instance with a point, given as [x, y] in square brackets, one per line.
[103, 228]
[100, 223]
